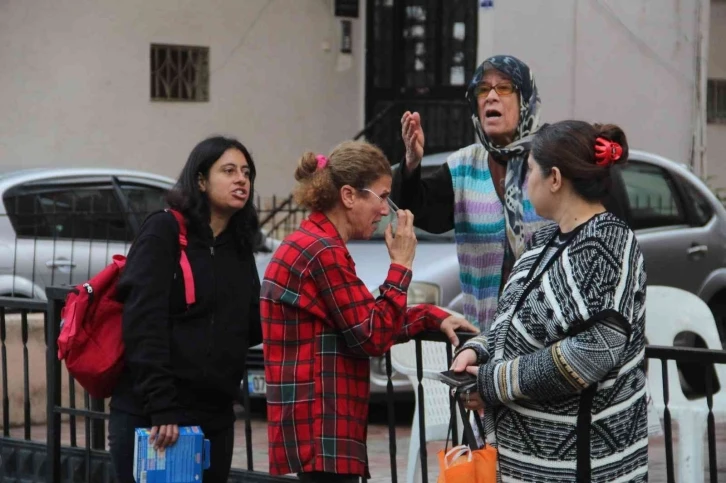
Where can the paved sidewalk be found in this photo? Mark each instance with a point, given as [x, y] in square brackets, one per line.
[379, 450]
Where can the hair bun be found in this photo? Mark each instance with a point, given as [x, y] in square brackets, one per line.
[306, 166]
[614, 133]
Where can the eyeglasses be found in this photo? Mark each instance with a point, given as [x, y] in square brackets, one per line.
[388, 200]
[503, 89]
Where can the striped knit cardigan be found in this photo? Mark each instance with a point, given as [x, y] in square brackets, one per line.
[562, 371]
[480, 231]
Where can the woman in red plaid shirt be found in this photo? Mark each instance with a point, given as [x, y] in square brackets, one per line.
[321, 324]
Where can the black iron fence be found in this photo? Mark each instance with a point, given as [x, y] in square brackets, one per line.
[36, 452]
[280, 216]
[706, 359]
[33, 452]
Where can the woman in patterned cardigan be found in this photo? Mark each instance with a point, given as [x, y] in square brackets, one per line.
[561, 375]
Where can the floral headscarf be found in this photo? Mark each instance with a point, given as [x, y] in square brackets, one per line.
[518, 150]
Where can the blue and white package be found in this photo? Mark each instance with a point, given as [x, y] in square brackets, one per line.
[184, 462]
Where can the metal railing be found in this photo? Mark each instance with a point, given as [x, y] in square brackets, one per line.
[23, 456]
[23, 308]
[706, 359]
[280, 216]
[53, 461]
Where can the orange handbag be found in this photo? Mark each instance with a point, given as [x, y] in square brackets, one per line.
[461, 464]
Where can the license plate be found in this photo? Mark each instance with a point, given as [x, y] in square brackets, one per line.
[256, 382]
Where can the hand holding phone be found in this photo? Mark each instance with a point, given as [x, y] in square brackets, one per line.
[457, 379]
[394, 215]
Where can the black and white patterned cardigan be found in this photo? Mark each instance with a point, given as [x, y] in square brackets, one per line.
[562, 368]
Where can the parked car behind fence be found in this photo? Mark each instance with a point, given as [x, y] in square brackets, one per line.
[61, 226]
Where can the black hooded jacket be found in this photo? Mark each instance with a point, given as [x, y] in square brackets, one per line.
[184, 365]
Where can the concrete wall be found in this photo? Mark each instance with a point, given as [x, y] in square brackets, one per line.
[74, 83]
[74, 87]
[716, 134]
[631, 63]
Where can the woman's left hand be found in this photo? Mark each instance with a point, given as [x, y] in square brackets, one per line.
[454, 323]
[472, 399]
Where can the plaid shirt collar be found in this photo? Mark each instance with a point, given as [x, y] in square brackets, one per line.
[317, 222]
[325, 225]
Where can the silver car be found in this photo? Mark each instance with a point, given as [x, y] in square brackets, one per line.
[62, 226]
[678, 221]
[680, 226]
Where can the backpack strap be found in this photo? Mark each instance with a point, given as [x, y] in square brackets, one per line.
[189, 294]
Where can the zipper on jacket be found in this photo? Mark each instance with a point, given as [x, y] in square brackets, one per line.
[214, 278]
[210, 344]
[214, 308]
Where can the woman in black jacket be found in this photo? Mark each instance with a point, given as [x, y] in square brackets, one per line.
[183, 365]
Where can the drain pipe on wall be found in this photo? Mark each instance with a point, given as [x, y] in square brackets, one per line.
[698, 145]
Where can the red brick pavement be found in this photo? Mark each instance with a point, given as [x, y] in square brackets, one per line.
[379, 452]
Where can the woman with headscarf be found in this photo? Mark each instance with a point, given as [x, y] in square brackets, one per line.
[480, 191]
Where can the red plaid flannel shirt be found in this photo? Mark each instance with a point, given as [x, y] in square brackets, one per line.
[320, 326]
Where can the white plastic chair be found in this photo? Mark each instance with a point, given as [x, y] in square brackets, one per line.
[670, 311]
[437, 409]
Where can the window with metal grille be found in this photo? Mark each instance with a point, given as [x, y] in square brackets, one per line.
[716, 101]
[179, 73]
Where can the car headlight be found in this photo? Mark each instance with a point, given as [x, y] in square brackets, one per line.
[421, 293]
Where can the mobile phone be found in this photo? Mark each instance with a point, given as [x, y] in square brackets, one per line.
[457, 379]
[394, 215]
